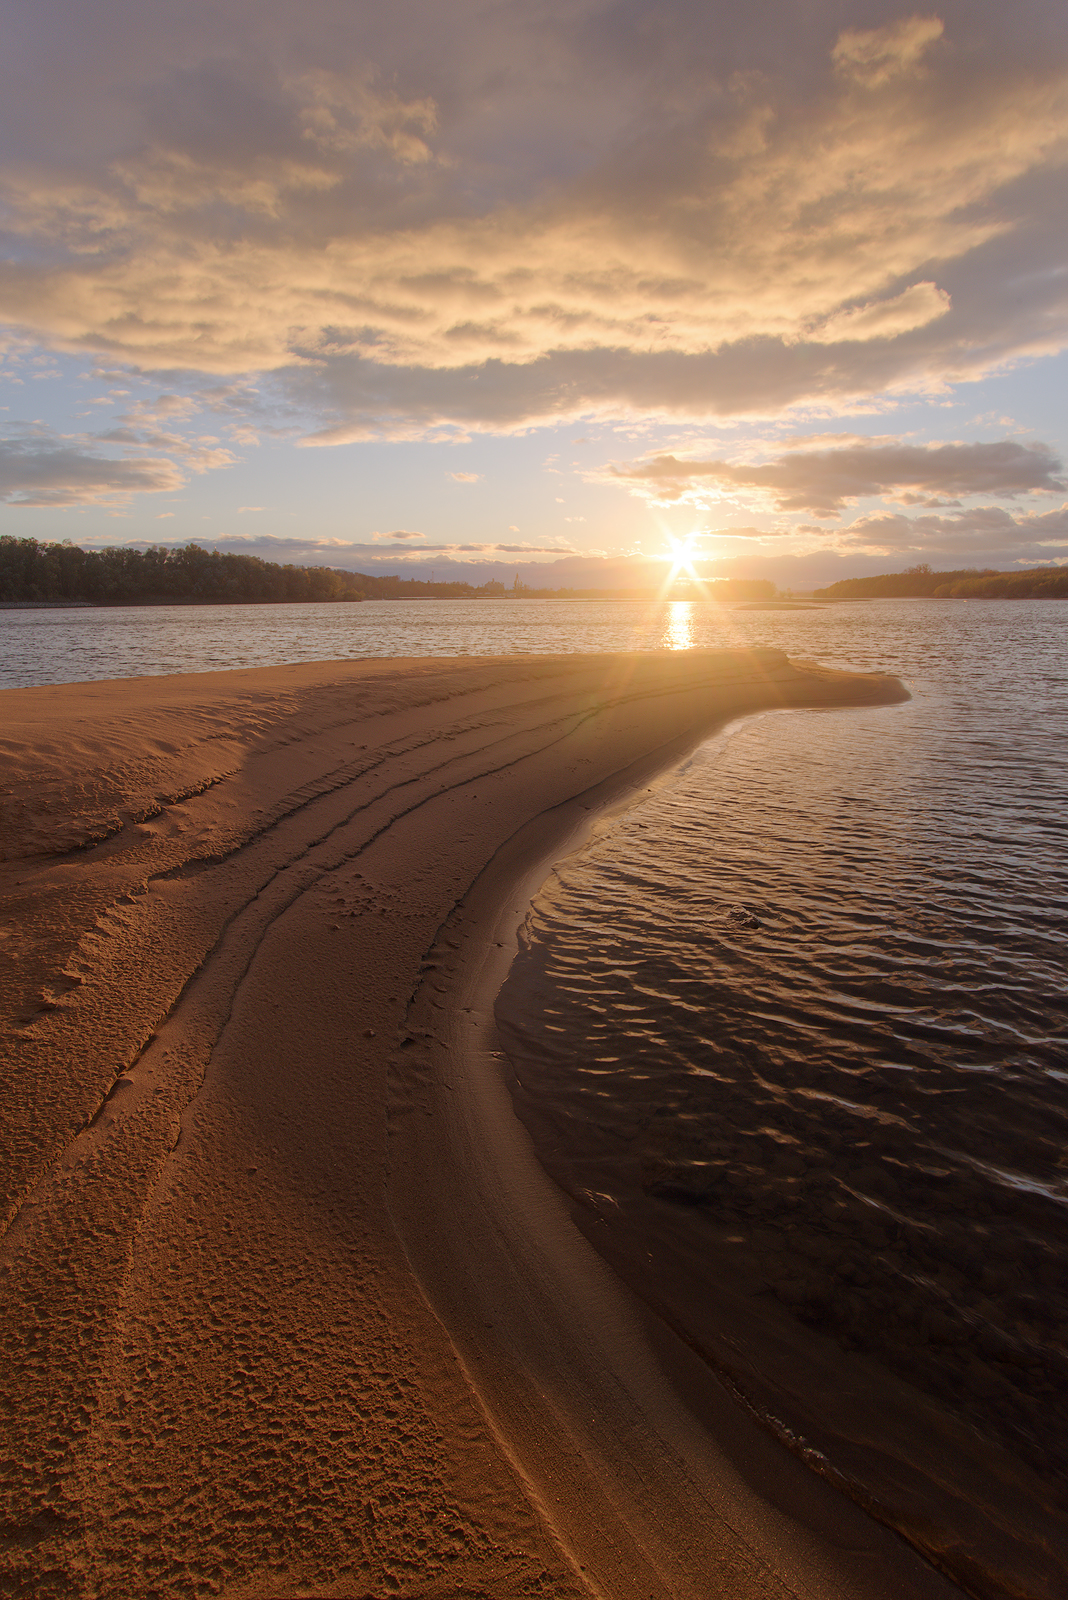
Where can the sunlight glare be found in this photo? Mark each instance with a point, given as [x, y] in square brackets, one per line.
[682, 557]
[683, 553]
[679, 633]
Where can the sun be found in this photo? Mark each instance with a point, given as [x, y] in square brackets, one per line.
[682, 553]
[681, 556]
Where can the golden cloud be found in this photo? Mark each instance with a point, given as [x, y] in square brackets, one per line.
[343, 244]
[883, 319]
[986, 529]
[874, 56]
[823, 481]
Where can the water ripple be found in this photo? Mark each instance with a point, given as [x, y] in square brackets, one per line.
[815, 986]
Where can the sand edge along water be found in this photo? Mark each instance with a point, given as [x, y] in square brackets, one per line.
[227, 903]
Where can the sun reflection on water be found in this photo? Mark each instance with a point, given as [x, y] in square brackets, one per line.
[679, 629]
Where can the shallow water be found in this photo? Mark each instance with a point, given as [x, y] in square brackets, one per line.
[815, 987]
[77, 644]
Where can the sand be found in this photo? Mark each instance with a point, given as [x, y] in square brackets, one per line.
[289, 1306]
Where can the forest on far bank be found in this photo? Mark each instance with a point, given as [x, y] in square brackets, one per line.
[968, 583]
[33, 572]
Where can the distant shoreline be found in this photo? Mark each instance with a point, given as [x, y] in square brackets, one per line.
[40, 575]
[798, 602]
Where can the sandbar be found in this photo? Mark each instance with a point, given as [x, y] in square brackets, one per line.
[290, 1306]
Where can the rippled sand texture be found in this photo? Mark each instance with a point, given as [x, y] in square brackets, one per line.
[792, 1034]
[220, 1376]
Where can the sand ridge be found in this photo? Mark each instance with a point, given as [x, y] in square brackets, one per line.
[221, 1375]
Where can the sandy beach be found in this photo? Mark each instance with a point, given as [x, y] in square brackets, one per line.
[290, 1307]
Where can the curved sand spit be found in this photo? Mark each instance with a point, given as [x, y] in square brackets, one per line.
[289, 1306]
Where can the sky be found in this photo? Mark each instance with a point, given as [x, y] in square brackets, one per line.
[464, 288]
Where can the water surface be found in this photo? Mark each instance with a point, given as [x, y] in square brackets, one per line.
[811, 994]
[77, 644]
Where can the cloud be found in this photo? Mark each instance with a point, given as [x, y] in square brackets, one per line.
[874, 56]
[456, 224]
[883, 319]
[44, 469]
[809, 441]
[399, 533]
[465, 477]
[986, 532]
[749, 535]
[357, 556]
[199, 455]
[172, 407]
[824, 481]
[342, 115]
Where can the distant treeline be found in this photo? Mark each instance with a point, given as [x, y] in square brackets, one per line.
[1040, 583]
[32, 571]
[969, 583]
[35, 572]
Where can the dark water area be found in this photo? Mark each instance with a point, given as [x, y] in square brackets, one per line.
[810, 997]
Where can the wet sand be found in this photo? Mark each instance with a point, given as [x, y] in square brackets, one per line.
[290, 1306]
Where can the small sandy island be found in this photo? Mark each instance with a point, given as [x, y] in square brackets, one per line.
[290, 1308]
